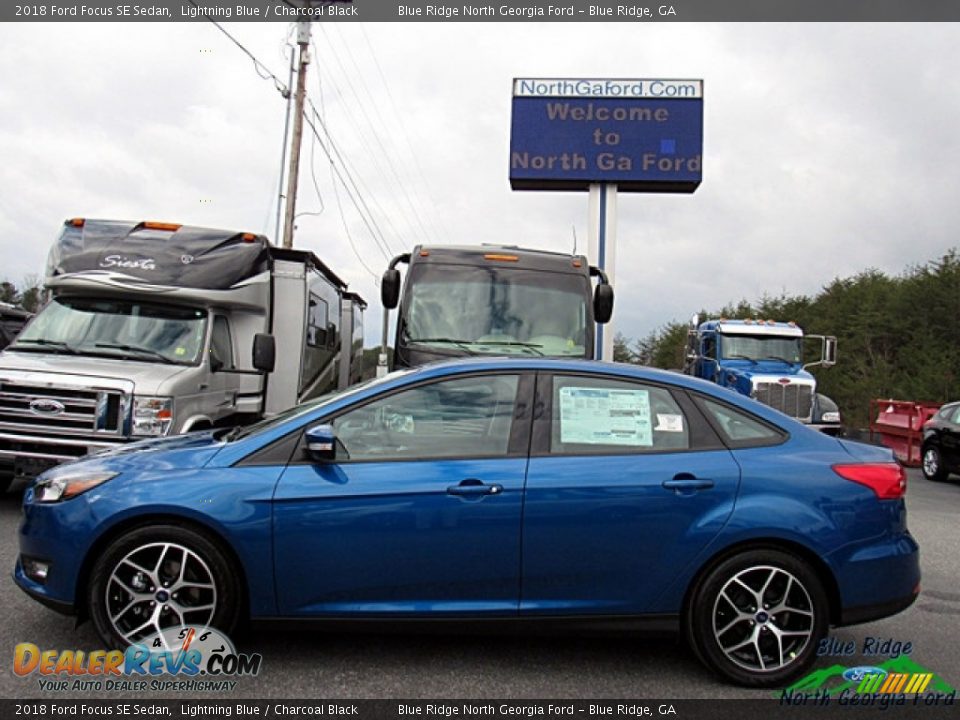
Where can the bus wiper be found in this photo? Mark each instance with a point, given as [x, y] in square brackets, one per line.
[741, 357]
[777, 357]
[461, 344]
[532, 346]
[136, 348]
[58, 344]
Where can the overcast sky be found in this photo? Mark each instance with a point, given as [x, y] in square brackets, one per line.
[829, 148]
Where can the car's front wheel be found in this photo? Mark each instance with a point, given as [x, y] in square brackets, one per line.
[756, 618]
[932, 464]
[157, 577]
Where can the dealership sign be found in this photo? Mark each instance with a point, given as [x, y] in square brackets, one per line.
[642, 135]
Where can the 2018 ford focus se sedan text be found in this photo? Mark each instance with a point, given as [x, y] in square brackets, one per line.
[490, 491]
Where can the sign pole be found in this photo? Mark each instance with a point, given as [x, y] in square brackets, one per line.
[602, 250]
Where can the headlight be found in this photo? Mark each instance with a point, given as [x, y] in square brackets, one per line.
[64, 487]
[152, 416]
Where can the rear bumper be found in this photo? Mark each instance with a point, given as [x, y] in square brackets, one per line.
[866, 613]
[879, 579]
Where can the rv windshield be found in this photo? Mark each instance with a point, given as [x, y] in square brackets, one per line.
[761, 347]
[117, 328]
[496, 310]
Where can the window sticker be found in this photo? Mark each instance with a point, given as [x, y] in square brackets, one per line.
[596, 416]
[669, 423]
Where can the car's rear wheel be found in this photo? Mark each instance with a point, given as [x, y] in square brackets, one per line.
[756, 618]
[932, 464]
[161, 576]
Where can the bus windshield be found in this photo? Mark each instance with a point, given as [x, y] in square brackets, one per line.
[496, 310]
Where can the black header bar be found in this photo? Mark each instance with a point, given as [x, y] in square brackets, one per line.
[474, 11]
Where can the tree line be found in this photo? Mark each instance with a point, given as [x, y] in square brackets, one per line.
[898, 337]
[27, 296]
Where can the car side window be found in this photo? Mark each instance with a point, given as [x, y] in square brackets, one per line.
[739, 428]
[466, 417]
[956, 415]
[600, 416]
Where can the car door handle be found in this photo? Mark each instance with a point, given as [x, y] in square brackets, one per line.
[684, 483]
[471, 487]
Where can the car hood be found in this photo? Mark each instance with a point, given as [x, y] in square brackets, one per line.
[181, 452]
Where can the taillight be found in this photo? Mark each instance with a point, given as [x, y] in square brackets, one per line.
[887, 480]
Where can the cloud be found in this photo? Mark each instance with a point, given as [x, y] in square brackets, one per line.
[828, 147]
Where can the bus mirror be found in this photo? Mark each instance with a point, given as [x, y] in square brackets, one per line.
[264, 352]
[390, 288]
[603, 302]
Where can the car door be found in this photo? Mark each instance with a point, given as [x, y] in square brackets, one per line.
[627, 483]
[420, 512]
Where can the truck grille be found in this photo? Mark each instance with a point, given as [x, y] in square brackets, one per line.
[792, 399]
[61, 411]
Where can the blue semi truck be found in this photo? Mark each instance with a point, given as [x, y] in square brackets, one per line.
[764, 359]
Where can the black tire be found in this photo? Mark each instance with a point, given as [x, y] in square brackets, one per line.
[931, 462]
[159, 551]
[750, 654]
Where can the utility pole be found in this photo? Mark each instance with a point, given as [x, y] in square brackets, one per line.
[303, 40]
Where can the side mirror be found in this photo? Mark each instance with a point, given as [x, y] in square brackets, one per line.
[322, 443]
[264, 352]
[603, 302]
[695, 321]
[390, 288]
[829, 351]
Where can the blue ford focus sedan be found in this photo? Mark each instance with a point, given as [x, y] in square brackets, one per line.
[492, 491]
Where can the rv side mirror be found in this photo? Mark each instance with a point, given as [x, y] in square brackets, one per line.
[322, 443]
[829, 351]
[603, 302]
[264, 352]
[390, 288]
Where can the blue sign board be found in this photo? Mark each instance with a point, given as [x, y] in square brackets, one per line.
[643, 135]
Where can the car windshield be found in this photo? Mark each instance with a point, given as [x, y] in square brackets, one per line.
[761, 347]
[117, 328]
[496, 310]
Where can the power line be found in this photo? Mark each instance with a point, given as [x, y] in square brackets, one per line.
[366, 221]
[435, 217]
[379, 142]
[359, 185]
[377, 233]
[260, 68]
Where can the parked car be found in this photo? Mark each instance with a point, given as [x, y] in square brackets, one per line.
[490, 491]
[940, 452]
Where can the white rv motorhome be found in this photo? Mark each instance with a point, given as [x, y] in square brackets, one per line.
[154, 329]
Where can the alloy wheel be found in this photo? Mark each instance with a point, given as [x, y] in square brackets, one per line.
[763, 618]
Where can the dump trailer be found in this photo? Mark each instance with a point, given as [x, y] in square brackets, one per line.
[154, 329]
[764, 359]
[492, 300]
